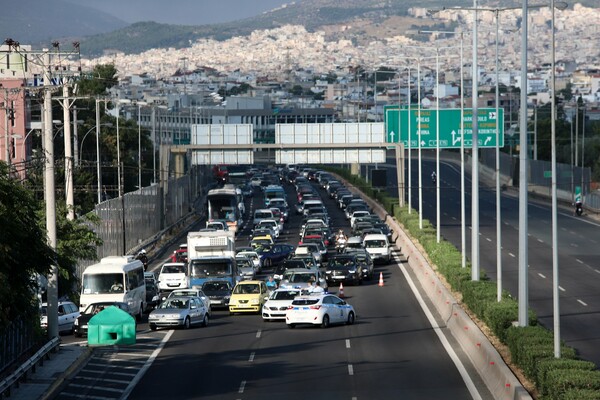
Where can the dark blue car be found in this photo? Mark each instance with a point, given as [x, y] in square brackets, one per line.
[275, 253]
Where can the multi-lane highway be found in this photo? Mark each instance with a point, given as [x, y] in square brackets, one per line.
[391, 352]
[578, 249]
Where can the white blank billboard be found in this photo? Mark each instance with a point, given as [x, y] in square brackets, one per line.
[341, 133]
[216, 134]
[212, 157]
[330, 156]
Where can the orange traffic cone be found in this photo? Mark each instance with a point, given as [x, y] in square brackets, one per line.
[381, 279]
[341, 291]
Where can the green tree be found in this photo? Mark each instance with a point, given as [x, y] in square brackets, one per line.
[24, 251]
[102, 77]
[297, 90]
[75, 241]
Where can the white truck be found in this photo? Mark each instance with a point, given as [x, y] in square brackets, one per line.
[211, 256]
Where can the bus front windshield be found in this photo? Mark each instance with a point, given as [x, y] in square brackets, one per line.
[200, 269]
[103, 283]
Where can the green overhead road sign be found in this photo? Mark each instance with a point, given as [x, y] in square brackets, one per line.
[450, 134]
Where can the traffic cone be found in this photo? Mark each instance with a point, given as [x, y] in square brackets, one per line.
[341, 291]
[381, 279]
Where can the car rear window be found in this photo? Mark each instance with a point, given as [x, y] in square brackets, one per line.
[304, 302]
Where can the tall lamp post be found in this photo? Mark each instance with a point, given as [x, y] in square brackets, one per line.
[462, 143]
[98, 167]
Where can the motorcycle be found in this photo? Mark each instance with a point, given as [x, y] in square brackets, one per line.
[143, 258]
[340, 243]
[578, 208]
[433, 178]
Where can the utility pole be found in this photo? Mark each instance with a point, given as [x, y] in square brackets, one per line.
[69, 194]
[75, 138]
[50, 196]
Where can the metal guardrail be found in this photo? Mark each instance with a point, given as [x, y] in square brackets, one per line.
[13, 379]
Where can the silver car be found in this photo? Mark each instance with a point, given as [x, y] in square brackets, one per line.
[179, 311]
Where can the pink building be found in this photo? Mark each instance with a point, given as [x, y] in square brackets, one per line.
[15, 144]
[15, 118]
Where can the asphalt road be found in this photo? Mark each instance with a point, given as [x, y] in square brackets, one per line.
[578, 249]
[391, 352]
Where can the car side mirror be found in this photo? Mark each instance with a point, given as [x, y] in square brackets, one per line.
[193, 307]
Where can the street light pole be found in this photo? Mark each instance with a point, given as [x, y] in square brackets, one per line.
[523, 292]
[99, 174]
[139, 146]
[555, 280]
[475, 267]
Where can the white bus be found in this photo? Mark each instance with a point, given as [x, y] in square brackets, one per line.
[115, 278]
[224, 203]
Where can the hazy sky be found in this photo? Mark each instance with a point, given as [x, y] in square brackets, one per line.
[183, 12]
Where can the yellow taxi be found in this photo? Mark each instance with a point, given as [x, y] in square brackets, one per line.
[248, 296]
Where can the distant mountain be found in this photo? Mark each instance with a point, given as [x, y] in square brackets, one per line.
[38, 22]
[312, 14]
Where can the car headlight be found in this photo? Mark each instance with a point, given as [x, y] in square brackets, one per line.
[76, 323]
[352, 271]
[254, 301]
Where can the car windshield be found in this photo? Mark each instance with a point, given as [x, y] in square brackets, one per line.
[284, 295]
[175, 303]
[300, 278]
[304, 302]
[215, 286]
[251, 288]
[184, 293]
[202, 269]
[103, 283]
[173, 269]
[341, 263]
[374, 243]
[95, 308]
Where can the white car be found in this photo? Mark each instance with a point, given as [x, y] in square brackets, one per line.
[190, 292]
[278, 302]
[67, 314]
[319, 309]
[270, 224]
[173, 276]
[357, 214]
[178, 311]
[252, 255]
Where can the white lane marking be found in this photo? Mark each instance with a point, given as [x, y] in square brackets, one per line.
[579, 261]
[347, 343]
[258, 334]
[146, 366]
[561, 289]
[511, 254]
[540, 240]
[488, 239]
[542, 275]
[242, 386]
[350, 370]
[104, 388]
[436, 328]
[573, 245]
[582, 302]
[597, 270]
[94, 378]
[251, 358]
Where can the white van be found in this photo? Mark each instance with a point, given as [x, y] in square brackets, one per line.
[115, 278]
[378, 247]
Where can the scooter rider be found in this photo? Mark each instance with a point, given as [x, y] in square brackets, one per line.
[340, 239]
[433, 176]
[578, 208]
